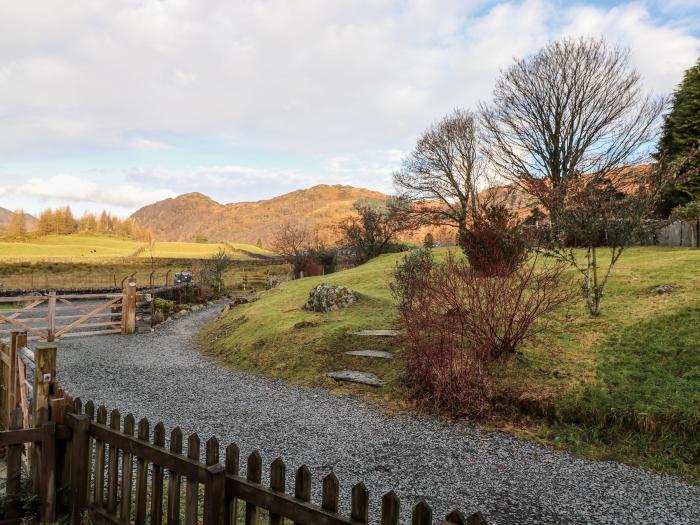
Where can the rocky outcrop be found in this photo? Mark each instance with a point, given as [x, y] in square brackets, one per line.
[329, 297]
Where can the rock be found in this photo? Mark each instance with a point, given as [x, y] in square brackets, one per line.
[329, 297]
[304, 324]
[371, 353]
[665, 288]
[355, 376]
[377, 333]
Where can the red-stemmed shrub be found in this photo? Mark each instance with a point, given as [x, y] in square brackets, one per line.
[455, 320]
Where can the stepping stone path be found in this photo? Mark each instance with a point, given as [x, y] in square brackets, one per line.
[365, 378]
[377, 333]
[371, 353]
[354, 376]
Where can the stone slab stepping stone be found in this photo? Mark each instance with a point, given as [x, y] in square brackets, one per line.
[355, 376]
[371, 353]
[377, 333]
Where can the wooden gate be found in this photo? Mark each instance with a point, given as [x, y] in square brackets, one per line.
[50, 317]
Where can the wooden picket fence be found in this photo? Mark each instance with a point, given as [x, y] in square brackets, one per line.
[86, 462]
[50, 317]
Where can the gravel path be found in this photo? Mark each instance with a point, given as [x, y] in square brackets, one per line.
[158, 375]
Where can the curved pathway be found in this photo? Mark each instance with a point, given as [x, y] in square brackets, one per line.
[159, 376]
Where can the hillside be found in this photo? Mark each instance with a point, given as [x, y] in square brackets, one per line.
[6, 217]
[605, 398]
[183, 218]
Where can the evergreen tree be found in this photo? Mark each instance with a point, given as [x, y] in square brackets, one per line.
[680, 137]
[428, 240]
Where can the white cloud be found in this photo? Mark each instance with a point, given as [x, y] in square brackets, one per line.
[64, 187]
[308, 76]
[344, 87]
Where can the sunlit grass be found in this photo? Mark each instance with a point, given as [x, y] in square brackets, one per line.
[549, 375]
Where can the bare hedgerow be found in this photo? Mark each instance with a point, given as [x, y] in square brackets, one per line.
[455, 320]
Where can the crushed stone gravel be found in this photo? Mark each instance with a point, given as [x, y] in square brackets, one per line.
[160, 376]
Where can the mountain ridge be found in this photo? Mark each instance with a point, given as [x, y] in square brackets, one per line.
[193, 214]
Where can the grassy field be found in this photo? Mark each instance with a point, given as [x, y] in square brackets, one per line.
[90, 246]
[625, 385]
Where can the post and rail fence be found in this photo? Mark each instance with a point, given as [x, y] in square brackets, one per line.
[87, 463]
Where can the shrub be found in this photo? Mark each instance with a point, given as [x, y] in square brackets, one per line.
[686, 212]
[493, 241]
[455, 319]
[163, 306]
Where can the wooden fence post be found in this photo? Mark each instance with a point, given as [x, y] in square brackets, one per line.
[44, 376]
[214, 494]
[11, 379]
[129, 309]
[47, 477]
[51, 325]
[14, 470]
[80, 424]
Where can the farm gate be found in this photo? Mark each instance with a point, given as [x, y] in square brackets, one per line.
[50, 317]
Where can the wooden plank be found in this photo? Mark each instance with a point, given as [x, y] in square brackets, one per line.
[113, 465]
[390, 509]
[359, 507]
[47, 478]
[174, 480]
[254, 474]
[157, 455]
[278, 479]
[26, 352]
[129, 309]
[79, 466]
[90, 296]
[232, 466]
[90, 413]
[193, 447]
[84, 318]
[44, 375]
[141, 476]
[214, 494]
[331, 493]
[302, 488]
[51, 329]
[422, 514]
[293, 508]
[157, 491]
[12, 381]
[96, 316]
[127, 473]
[98, 497]
[22, 299]
[94, 332]
[13, 488]
[23, 326]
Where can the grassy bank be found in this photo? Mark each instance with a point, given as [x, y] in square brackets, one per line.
[623, 385]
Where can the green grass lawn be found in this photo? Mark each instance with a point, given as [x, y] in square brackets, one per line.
[624, 385]
[69, 246]
[93, 246]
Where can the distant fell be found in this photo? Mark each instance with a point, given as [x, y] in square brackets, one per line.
[6, 217]
[188, 216]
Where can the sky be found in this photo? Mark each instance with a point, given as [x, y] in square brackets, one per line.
[114, 105]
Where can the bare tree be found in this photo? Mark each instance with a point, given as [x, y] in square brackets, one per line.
[375, 225]
[575, 109]
[608, 215]
[441, 175]
[294, 241]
